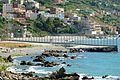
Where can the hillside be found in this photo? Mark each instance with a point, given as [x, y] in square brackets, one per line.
[86, 7]
[104, 9]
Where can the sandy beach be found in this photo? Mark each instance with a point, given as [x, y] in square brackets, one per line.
[35, 48]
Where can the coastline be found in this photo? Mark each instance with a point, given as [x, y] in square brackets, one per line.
[36, 48]
[39, 48]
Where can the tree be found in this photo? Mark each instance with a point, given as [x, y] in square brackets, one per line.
[50, 25]
[57, 24]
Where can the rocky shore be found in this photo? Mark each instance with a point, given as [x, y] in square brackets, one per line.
[43, 62]
[94, 49]
[57, 75]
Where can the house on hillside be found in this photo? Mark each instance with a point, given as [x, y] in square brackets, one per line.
[58, 1]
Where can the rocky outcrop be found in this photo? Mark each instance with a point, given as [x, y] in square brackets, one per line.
[47, 54]
[44, 62]
[58, 75]
[9, 58]
[62, 75]
[39, 59]
[86, 78]
[56, 51]
[49, 64]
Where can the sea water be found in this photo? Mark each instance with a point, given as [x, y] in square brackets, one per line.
[90, 63]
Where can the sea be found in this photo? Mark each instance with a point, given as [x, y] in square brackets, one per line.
[85, 63]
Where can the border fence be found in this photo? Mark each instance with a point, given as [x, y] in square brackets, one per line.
[73, 39]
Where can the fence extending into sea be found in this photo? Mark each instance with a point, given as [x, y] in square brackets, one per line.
[74, 40]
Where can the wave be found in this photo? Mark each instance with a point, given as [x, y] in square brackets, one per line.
[100, 77]
[40, 71]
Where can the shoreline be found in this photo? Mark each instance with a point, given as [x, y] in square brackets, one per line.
[38, 48]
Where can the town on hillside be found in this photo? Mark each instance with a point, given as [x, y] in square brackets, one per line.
[29, 18]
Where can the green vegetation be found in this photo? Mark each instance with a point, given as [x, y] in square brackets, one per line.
[90, 6]
[19, 54]
[52, 26]
[1, 5]
[15, 45]
[41, 27]
[3, 59]
[3, 67]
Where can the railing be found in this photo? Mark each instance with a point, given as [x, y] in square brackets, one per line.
[107, 41]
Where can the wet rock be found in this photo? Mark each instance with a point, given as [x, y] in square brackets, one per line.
[73, 76]
[28, 74]
[63, 62]
[9, 58]
[73, 57]
[66, 56]
[61, 75]
[86, 78]
[38, 59]
[69, 65]
[49, 64]
[23, 63]
[29, 63]
[47, 54]
[105, 76]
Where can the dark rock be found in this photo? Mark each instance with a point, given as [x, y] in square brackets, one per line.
[104, 76]
[29, 63]
[9, 58]
[63, 62]
[62, 70]
[66, 56]
[61, 75]
[73, 57]
[49, 64]
[23, 63]
[38, 59]
[28, 74]
[69, 65]
[85, 78]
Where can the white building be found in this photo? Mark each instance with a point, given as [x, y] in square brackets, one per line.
[97, 30]
[37, 5]
[6, 1]
[74, 17]
[31, 15]
[7, 8]
[60, 16]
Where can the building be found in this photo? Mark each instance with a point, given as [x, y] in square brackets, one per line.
[47, 15]
[74, 17]
[14, 11]
[57, 1]
[7, 8]
[117, 13]
[55, 10]
[31, 15]
[97, 30]
[30, 4]
[8, 11]
[6, 1]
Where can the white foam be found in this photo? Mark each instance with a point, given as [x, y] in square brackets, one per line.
[42, 71]
[61, 65]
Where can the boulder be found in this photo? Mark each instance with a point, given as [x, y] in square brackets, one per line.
[23, 63]
[9, 58]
